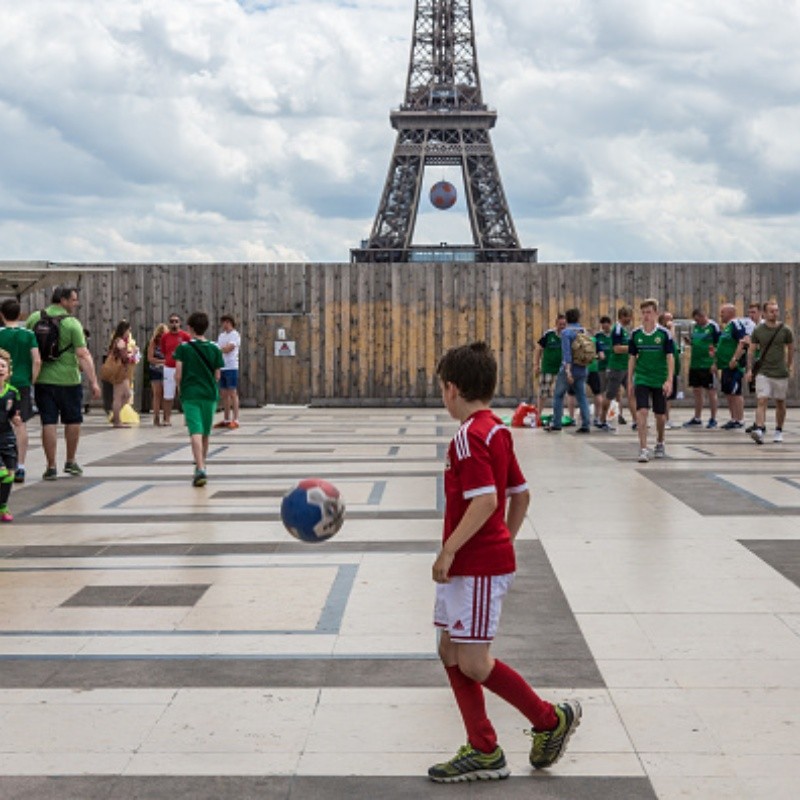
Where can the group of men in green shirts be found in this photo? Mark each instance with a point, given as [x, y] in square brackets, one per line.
[645, 362]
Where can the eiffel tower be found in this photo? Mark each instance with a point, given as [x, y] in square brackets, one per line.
[443, 121]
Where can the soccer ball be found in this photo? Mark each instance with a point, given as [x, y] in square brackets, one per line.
[313, 511]
[443, 195]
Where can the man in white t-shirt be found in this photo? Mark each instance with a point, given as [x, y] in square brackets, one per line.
[229, 342]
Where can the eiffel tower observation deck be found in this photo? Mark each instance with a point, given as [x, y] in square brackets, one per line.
[443, 121]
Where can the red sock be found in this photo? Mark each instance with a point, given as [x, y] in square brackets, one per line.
[471, 704]
[514, 689]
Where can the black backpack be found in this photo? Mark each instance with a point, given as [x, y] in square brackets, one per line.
[47, 331]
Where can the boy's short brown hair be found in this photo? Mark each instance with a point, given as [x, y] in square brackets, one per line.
[10, 310]
[198, 322]
[472, 369]
[650, 302]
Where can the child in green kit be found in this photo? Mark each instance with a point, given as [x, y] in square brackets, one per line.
[9, 419]
[475, 569]
[197, 374]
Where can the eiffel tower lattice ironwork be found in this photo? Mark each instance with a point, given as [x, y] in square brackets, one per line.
[443, 121]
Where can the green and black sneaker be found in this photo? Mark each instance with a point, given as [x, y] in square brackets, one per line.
[469, 764]
[549, 746]
[72, 468]
[200, 477]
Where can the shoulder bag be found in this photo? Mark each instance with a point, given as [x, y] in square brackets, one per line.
[759, 362]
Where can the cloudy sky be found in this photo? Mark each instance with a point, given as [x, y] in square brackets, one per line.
[258, 130]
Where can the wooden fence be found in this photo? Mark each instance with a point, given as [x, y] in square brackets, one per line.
[372, 334]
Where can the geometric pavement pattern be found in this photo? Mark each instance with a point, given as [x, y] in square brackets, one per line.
[158, 640]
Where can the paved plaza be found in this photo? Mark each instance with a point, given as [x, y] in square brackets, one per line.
[163, 641]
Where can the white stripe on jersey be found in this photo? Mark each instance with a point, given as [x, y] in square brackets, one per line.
[468, 495]
[517, 489]
[462, 441]
[493, 431]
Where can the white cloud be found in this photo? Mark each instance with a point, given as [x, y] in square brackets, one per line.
[258, 129]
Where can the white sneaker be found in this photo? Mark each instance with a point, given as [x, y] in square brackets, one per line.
[778, 437]
[757, 435]
[668, 425]
[644, 456]
[659, 452]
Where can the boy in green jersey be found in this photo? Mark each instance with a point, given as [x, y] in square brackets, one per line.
[651, 367]
[198, 364]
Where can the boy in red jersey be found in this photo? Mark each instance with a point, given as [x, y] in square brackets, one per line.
[475, 569]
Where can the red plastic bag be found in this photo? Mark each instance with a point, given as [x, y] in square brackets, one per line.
[524, 415]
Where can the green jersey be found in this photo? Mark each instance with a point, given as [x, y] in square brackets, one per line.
[200, 360]
[603, 343]
[18, 343]
[651, 351]
[728, 342]
[619, 336]
[704, 337]
[65, 371]
[551, 355]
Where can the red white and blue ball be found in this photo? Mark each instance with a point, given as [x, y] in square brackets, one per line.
[443, 195]
[313, 511]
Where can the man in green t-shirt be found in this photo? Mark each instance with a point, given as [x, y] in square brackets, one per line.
[774, 342]
[58, 389]
[617, 371]
[20, 344]
[598, 372]
[730, 360]
[547, 361]
[702, 369]
[198, 364]
[651, 367]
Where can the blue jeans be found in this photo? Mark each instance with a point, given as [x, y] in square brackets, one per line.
[579, 385]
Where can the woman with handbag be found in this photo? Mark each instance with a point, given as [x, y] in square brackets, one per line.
[118, 368]
[155, 366]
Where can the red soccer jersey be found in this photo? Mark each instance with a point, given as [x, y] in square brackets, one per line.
[481, 460]
[169, 344]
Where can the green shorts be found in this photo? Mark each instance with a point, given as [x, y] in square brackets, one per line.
[199, 415]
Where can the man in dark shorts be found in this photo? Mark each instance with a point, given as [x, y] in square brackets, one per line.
[617, 377]
[651, 367]
[58, 390]
[731, 361]
[702, 368]
[597, 380]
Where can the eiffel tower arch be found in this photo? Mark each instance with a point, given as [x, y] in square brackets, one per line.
[443, 121]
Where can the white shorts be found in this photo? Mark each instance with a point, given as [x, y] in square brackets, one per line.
[469, 607]
[169, 383]
[776, 388]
